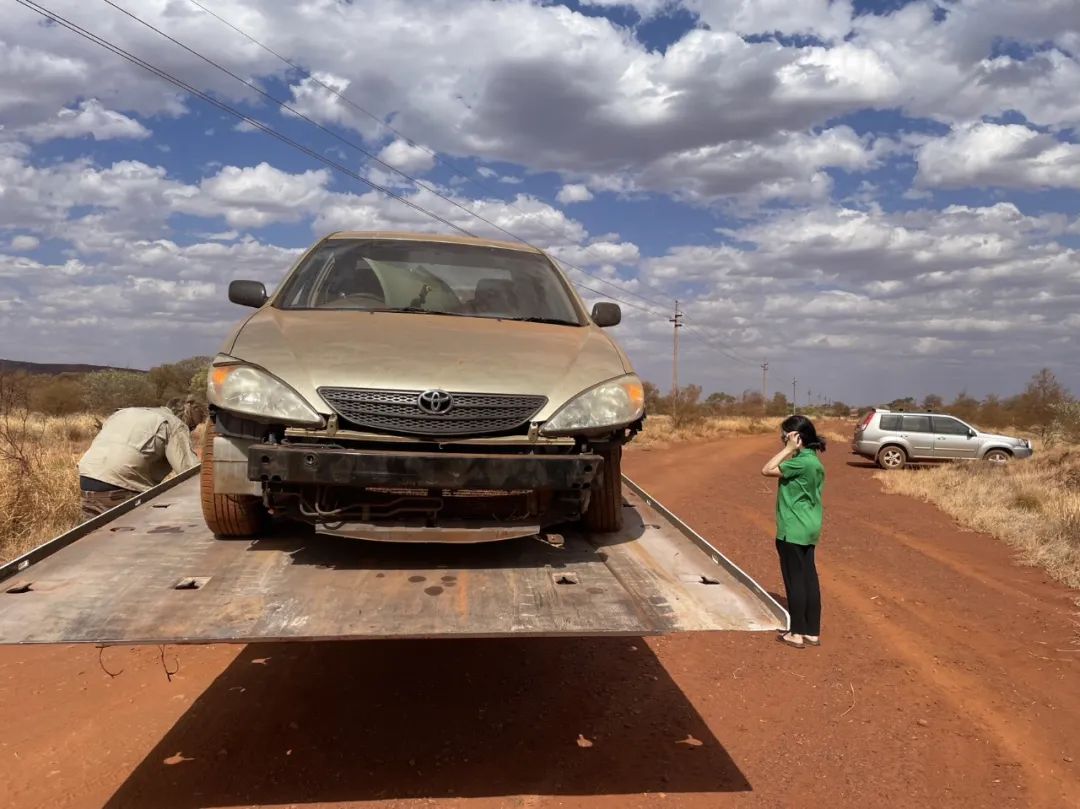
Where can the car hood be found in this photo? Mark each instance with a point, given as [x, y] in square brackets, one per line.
[407, 351]
[1003, 439]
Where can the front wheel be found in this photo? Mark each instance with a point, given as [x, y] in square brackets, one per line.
[892, 457]
[226, 515]
[605, 505]
[997, 456]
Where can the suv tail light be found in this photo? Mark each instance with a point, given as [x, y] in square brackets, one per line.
[865, 422]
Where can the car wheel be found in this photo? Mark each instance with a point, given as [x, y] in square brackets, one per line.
[998, 456]
[892, 457]
[226, 515]
[604, 515]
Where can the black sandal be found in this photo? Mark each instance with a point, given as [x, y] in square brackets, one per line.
[788, 642]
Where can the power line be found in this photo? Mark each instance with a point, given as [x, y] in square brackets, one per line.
[378, 120]
[262, 127]
[265, 128]
[285, 105]
[278, 135]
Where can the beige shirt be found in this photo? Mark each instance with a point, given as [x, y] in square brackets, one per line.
[137, 448]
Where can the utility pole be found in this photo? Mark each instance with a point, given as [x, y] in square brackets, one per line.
[676, 322]
[764, 385]
[794, 382]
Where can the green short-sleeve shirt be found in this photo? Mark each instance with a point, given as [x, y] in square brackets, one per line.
[798, 499]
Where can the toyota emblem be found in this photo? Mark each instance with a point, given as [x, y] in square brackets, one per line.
[436, 402]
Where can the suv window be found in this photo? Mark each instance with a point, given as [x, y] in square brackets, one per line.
[946, 426]
[916, 424]
[890, 422]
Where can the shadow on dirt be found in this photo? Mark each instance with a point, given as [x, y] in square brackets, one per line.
[357, 721]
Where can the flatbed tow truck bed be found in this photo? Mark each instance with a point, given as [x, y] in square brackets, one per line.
[150, 572]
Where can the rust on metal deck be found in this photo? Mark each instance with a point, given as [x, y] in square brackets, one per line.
[154, 574]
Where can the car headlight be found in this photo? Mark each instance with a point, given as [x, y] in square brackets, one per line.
[241, 388]
[614, 403]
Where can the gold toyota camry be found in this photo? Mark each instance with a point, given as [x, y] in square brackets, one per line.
[419, 388]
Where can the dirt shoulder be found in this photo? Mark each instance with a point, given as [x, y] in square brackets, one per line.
[940, 683]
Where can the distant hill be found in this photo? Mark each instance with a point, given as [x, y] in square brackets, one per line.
[54, 368]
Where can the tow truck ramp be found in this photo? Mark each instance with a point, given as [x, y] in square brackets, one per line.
[149, 572]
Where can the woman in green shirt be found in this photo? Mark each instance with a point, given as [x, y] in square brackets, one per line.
[798, 525]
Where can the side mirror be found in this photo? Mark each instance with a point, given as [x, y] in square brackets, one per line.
[972, 433]
[606, 314]
[247, 293]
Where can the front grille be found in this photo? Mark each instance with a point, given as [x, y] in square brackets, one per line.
[398, 411]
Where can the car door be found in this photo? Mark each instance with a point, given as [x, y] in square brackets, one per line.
[919, 434]
[952, 438]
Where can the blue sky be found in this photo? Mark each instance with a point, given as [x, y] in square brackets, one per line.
[880, 198]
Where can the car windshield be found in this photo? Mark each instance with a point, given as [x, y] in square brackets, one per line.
[430, 277]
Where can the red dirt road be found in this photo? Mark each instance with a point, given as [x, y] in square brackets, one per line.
[948, 677]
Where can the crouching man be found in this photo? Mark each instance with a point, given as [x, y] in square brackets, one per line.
[135, 450]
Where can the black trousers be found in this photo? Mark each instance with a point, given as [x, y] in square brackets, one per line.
[801, 584]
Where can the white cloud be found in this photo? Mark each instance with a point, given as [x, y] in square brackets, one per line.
[574, 192]
[24, 243]
[92, 119]
[407, 157]
[1007, 156]
[827, 19]
[258, 195]
[787, 166]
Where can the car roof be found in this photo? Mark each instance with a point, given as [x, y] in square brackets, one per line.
[442, 238]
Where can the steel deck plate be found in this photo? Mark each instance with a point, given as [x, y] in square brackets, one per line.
[154, 574]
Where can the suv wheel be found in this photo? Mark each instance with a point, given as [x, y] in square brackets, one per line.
[892, 457]
[998, 456]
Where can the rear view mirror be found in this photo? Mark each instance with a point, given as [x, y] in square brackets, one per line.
[247, 293]
[606, 314]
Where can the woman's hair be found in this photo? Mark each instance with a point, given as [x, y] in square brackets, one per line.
[805, 428]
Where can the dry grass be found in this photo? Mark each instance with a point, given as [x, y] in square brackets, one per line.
[662, 430]
[39, 481]
[1032, 505]
[39, 478]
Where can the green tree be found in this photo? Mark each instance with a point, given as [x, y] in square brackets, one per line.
[992, 413]
[172, 380]
[964, 406]
[778, 405]
[57, 396]
[197, 386]
[1038, 401]
[106, 391]
[655, 402]
[719, 400]
[839, 410]
[933, 402]
[907, 403]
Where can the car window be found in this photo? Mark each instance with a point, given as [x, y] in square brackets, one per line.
[946, 426]
[916, 424]
[458, 279]
[890, 422]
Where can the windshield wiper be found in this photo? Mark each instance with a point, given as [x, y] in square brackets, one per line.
[558, 321]
[415, 310]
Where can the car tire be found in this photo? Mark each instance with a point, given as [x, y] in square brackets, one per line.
[604, 515]
[997, 456]
[892, 457]
[226, 515]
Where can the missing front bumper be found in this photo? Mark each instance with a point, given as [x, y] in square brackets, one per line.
[275, 463]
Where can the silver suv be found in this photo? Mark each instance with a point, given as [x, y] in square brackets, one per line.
[896, 439]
